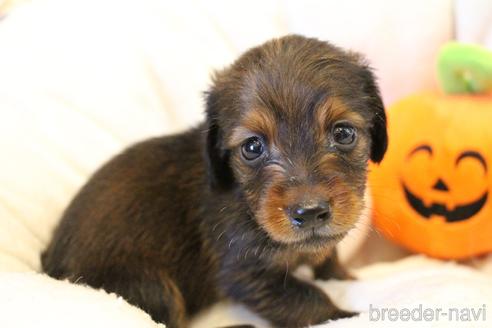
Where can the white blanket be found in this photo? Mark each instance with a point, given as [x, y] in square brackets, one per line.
[456, 296]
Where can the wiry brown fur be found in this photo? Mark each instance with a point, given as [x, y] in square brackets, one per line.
[176, 223]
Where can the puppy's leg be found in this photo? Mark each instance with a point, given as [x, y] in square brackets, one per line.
[280, 298]
[151, 290]
[331, 268]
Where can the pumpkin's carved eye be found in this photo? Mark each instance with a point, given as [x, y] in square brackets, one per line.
[472, 154]
[423, 147]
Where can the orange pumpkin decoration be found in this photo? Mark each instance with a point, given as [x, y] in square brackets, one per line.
[432, 193]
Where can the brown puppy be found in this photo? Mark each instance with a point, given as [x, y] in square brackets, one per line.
[273, 179]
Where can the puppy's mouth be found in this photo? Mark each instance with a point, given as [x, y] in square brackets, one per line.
[317, 238]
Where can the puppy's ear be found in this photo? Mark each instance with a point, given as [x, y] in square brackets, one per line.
[217, 158]
[379, 136]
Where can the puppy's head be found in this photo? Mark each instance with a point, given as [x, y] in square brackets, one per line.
[291, 125]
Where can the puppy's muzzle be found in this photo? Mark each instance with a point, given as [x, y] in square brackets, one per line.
[309, 215]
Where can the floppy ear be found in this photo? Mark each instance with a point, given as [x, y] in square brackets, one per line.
[217, 158]
[379, 135]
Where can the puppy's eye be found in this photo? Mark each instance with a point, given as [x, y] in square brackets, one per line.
[252, 148]
[344, 134]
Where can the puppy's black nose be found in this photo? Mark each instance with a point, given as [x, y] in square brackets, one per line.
[310, 216]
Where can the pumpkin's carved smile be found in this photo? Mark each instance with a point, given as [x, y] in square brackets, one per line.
[460, 213]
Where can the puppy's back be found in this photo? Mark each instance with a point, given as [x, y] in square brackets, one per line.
[138, 211]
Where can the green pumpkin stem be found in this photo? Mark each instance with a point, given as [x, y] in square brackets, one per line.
[465, 68]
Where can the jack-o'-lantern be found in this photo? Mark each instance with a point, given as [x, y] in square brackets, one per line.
[432, 193]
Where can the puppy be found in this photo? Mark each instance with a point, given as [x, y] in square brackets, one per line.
[273, 179]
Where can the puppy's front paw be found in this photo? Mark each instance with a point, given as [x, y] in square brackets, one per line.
[333, 272]
[341, 273]
[346, 275]
[332, 269]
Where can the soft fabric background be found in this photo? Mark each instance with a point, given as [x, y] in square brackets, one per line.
[82, 79]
